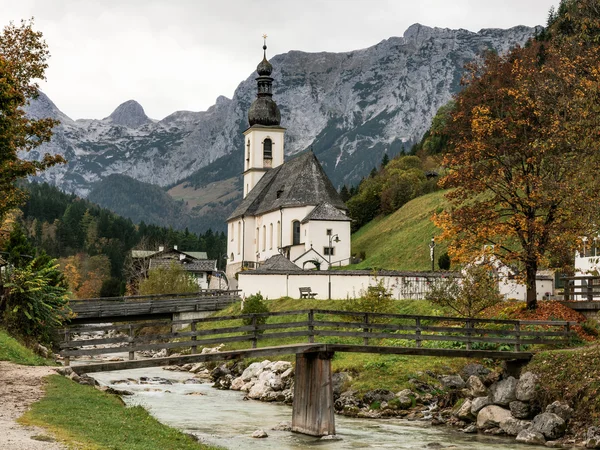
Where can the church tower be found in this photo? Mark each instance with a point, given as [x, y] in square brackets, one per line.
[263, 141]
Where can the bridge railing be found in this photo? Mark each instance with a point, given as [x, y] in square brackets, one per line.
[314, 325]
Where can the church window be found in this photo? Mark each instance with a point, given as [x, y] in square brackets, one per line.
[256, 239]
[231, 258]
[279, 244]
[239, 237]
[328, 251]
[264, 239]
[329, 231]
[248, 150]
[271, 236]
[296, 231]
[231, 232]
[268, 148]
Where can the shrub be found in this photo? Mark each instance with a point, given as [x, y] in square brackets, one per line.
[375, 299]
[444, 261]
[255, 305]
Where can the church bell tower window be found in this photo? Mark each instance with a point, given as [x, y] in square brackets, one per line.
[268, 149]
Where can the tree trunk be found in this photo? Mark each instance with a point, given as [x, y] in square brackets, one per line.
[531, 271]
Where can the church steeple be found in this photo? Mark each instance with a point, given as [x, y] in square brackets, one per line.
[264, 111]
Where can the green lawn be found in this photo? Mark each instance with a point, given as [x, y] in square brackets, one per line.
[13, 351]
[401, 240]
[90, 419]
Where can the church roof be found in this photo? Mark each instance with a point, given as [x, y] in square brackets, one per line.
[326, 211]
[301, 181]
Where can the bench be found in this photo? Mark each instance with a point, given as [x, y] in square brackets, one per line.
[306, 292]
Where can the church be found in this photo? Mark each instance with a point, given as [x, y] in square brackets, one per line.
[290, 210]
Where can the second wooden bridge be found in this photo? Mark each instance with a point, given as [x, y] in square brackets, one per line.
[314, 336]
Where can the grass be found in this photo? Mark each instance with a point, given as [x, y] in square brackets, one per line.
[13, 351]
[573, 376]
[401, 240]
[91, 419]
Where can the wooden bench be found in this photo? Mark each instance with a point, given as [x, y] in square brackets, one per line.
[306, 292]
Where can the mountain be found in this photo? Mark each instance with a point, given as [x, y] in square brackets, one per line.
[349, 107]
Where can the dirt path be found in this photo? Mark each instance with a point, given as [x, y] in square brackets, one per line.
[20, 386]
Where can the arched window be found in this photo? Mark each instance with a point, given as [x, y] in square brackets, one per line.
[271, 236]
[231, 258]
[239, 238]
[257, 241]
[268, 148]
[296, 231]
[264, 240]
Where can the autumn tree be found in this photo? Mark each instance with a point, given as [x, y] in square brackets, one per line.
[168, 280]
[524, 147]
[23, 56]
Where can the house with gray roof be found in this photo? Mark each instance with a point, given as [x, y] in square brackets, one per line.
[289, 208]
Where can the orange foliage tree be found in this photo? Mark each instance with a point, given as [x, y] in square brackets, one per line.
[524, 147]
[23, 55]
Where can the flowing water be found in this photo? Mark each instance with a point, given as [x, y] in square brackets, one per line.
[223, 418]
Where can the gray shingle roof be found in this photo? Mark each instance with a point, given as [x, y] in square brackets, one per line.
[206, 265]
[300, 181]
[279, 262]
[326, 211]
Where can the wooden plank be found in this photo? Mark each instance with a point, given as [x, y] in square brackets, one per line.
[185, 359]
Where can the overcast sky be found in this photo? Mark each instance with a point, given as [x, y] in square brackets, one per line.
[174, 55]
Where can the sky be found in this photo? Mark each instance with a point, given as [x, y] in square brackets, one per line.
[172, 55]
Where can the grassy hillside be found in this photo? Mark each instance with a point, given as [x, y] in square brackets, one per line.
[401, 240]
[13, 351]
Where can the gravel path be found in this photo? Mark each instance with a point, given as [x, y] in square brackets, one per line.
[20, 386]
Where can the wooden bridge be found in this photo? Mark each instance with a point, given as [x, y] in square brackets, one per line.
[314, 336]
[144, 307]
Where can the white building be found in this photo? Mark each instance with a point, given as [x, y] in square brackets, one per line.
[288, 207]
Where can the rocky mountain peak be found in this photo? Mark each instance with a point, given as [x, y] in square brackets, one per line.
[129, 114]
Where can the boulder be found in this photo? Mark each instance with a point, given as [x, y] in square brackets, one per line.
[219, 371]
[288, 374]
[561, 409]
[473, 369]
[525, 389]
[491, 378]
[377, 395]
[479, 403]
[224, 382]
[279, 366]
[470, 429]
[452, 381]
[237, 384]
[503, 392]
[549, 424]
[259, 434]
[259, 390]
[531, 437]
[253, 371]
[404, 399]
[464, 412]
[475, 387]
[520, 410]
[491, 417]
[592, 437]
[347, 401]
[276, 383]
[197, 367]
[341, 382]
[283, 426]
[513, 426]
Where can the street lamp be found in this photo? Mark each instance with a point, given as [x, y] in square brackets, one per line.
[432, 253]
[332, 238]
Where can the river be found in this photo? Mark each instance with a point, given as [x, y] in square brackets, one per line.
[223, 418]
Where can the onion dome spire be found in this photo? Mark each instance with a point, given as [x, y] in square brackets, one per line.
[264, 111]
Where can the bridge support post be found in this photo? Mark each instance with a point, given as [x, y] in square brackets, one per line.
[312, 411]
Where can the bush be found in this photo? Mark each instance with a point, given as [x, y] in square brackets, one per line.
[255, 305]
[467, 296]
[376, 299]
[444, 261]
[168, 280]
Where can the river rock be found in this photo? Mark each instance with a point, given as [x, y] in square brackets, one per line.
[347, 402]
[331, 437]
[259, 390]
[470, 429]
[224, 382]
[549, 424]
[503, 392]
[246, 387]
[237, 384]
[219, 371]
[452, 382]
[520, 410]
[377, 395]
[259, 434]
[464, 412]
[491, 417]
[340, 381]
[592, 437]
[253, 371]
[513, 427]
[561, 409]
[530, 436]
[475, 387]
[197, 367]
[491, 378]
[279, 366]
[479, 403]
[283, 426]
[474, 369]
[525, 389]
[404, 398]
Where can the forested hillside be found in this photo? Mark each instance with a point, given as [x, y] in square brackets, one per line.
[94, 242]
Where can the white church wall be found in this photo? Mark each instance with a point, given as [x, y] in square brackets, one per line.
[319, 238]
